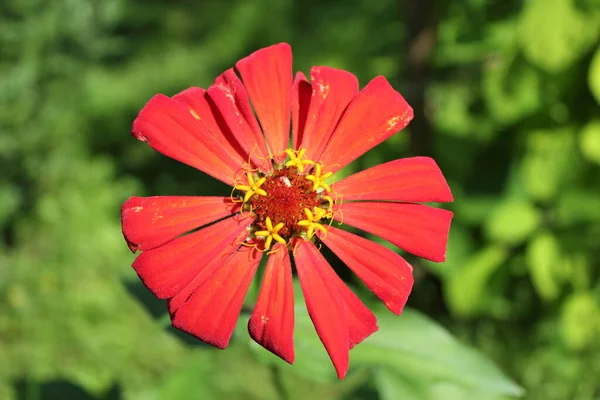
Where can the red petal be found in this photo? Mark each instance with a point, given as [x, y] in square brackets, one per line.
[374, 115]
[231, 98]
[387, 274]
[170, 129]
[150, 222]
[213, 310]
[301, 93]
[167, 269]
[324, 303]
[333, 89]
[215, 128]
[418, 229]
[416, 179]
[362, 323]
[267, 75]
[321, 288]
[208, 269]
[272, 322]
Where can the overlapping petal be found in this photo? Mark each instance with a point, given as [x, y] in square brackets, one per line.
[231, 98]
[209, 117]
[167, 269]
[416, 179]
[149, 222]
[267, 75]
[387, 274]
[332, 91]
[272, 322]
[212, 311]
[172, 130]
[207, 269]
[418, 229]
[374, 115]
[362, 323]
[324, 304]
[301, 94]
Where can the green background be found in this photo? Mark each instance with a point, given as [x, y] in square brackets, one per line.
[506, 96]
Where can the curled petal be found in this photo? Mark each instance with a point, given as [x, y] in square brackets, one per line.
[332, 91]
[301, 93]
[418, 229]
[172, 130]
[167, 269]
[267, 75]
[149, 222]
[213, 309]
[387, 274]
[416, 179]
[231, 98]
[272, 322]
[374, 115]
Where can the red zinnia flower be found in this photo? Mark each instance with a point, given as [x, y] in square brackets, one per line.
[282, 203]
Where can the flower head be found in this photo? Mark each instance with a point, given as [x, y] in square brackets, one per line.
[201, 253]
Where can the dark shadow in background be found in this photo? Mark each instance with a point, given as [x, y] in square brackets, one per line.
[158, 310]
[59, 390]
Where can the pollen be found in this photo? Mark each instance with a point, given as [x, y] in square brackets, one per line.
[252, 187]
[194, 114]
[296, 159]
[271, 233]
[312, 221]
[318, 179]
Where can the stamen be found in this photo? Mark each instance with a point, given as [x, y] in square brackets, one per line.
[296, 159]
[330, 208]
[252, 187]
[318, 180]
[271, 233]
[312, 221]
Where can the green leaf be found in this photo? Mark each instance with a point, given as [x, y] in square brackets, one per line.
[209, 374]
[580, 320]
[512, 221]
[551, 160]
[466, 289]
[460, 246]
[452, 111]
[578, 205]
[554, 34]
[594, 76]
[392, 386]
[589, 141]
[511, 88]
[420, 351]
[425, 354]
[544, 260]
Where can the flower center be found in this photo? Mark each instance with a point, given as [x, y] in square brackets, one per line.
[290, 201]
[288, 194]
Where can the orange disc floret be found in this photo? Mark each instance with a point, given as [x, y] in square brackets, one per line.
[288, 195]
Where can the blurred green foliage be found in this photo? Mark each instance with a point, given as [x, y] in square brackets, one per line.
[506, 95]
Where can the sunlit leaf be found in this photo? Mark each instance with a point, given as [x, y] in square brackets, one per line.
[594, 75]
[551, 160]
[589, 141]
[544, 260]
[580, 320]
[466, 288]
[554, 33]
[512, 221]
